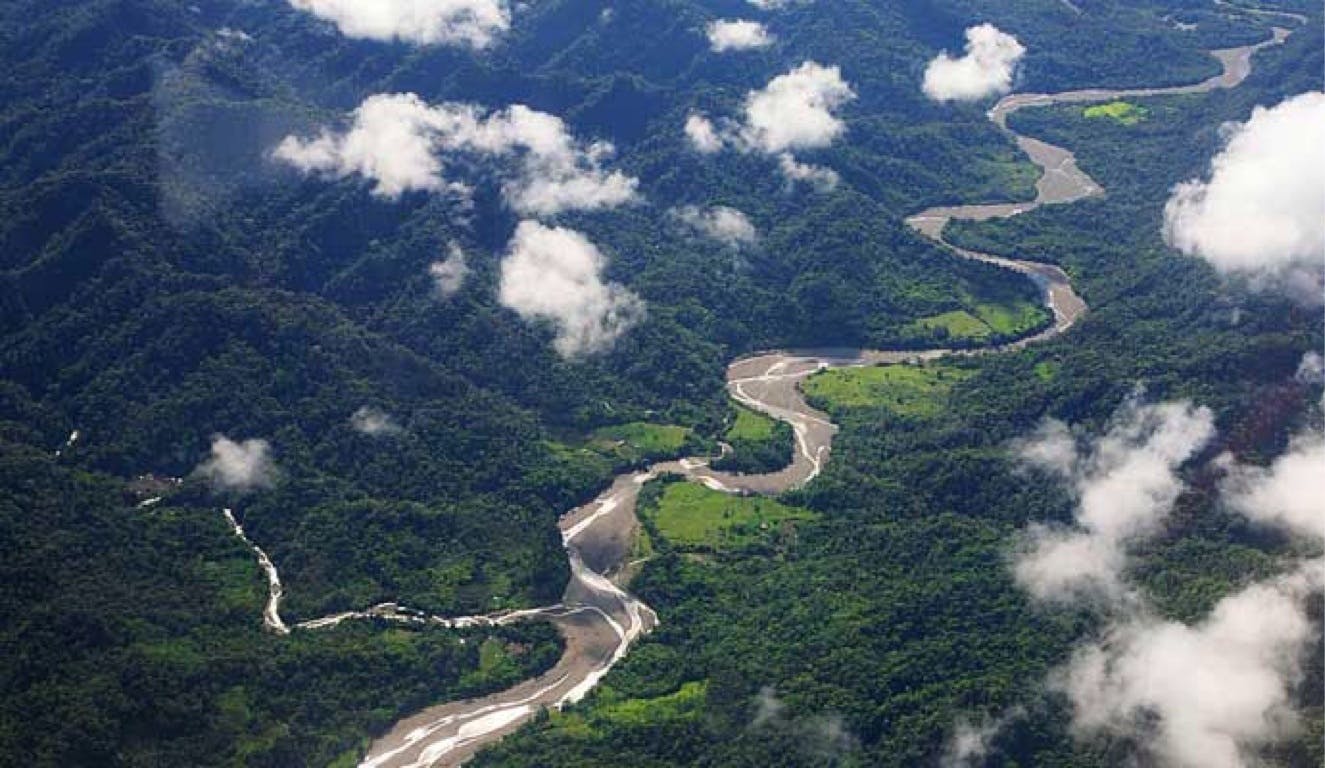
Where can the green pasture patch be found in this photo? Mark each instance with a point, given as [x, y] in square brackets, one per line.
[690, 515]
[959, 324]
[1123, 112]
[612, 712]
[1010, 319]
[684, 704]
[908, 390]
[751, 426]
[985, 319]
[641, 439]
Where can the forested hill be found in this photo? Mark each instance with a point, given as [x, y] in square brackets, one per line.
[164, 279]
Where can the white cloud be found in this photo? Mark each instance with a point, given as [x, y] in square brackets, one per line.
[796, 110]
[986, 68]
[1289, 493]
[390, 141]
[817, 176]
[554, 273]
[1202, 696]
[472, 23]
[1125, 482]
[401, 143]
[450, 273]
[373, 421]
[1262, 211]
[240, 467]
[703, 136]
[740, 35]
[1207, 695]
[726, 225]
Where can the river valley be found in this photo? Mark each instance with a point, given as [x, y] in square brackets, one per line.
[597, 615]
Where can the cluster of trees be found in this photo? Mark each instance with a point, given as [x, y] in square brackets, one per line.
[756, 444]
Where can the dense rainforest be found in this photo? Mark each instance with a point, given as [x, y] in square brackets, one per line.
[163, 280]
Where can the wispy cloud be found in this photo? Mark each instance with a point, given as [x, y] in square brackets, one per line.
[1198, 696]
[703, 135]
[776, 5]
[970, 741]
[238, 466]
[1289, 493]
[817, 176]
[374, 422]
[721, 223]
[234, 35]
[1125, 482]
[1311, 369]
[449, 274]
[823, 738]
[1208, 694]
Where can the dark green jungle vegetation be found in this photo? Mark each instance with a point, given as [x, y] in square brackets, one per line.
[161, 281]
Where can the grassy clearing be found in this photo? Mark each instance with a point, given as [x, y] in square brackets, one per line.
[587, 459]
[691, 516]
[750, 426]
[907, 390]
[1010, 319]
[683, 705]
[985, 319]
[1046, 370]
[640, 440]
[959, 324]
[493, 657]
[1123, 112]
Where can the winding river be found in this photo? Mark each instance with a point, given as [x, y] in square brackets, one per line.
[597, 616]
